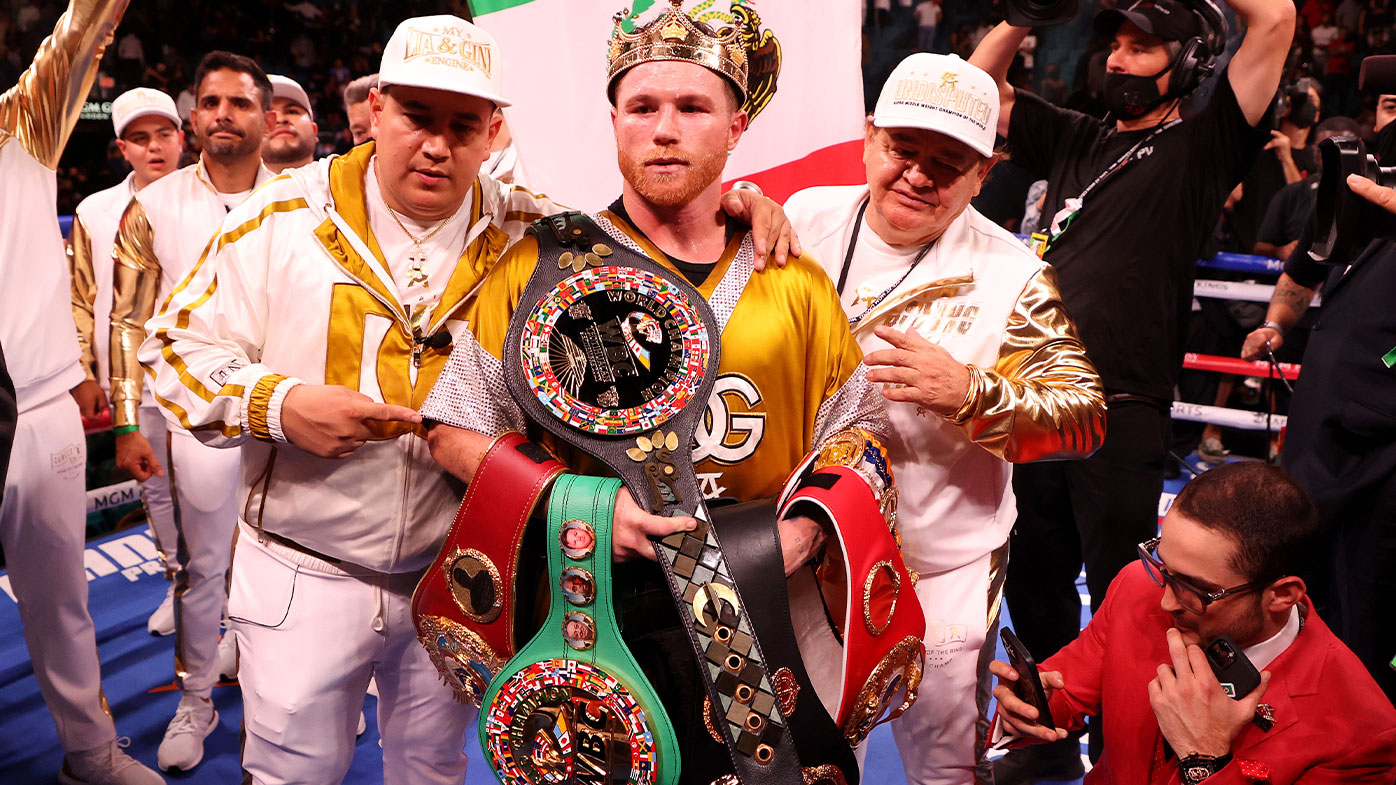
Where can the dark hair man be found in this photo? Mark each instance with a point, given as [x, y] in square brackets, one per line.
[162, 236]
[1129, 205]
[1226, 562]
[321, 317]
[294, 135]
[150, 137]
[42, 520]
[356, 107]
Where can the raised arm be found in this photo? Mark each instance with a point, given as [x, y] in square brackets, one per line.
[1255, 70]
[995, 54]
[41, 110]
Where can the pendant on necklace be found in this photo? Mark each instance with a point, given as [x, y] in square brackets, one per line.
[416, 275]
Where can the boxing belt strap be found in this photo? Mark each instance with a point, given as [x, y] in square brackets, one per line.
[618, 356]
[866, 585]
[464, 605]
[752, 542]
[573, 705]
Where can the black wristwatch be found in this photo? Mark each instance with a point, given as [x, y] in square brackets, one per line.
[1197, 768]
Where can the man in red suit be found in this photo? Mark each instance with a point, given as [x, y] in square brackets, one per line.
[1225, 563]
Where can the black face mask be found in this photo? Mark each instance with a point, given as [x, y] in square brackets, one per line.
[1129, 96]
[1384, 146]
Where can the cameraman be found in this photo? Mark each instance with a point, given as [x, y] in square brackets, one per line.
[1340, 444]
[1129, 205]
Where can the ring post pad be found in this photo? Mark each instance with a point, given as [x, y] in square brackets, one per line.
[573, 705]
[464, 606]
[617, 355]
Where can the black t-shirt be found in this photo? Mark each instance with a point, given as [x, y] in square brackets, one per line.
[1289, 212]
[1262, 185]
[1127, 262]
[696, 272]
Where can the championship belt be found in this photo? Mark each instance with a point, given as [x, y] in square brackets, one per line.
[867, 588]
[607, 350]
[464, 605]
[573, 705]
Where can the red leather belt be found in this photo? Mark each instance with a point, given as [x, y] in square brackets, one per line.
[866, 584]
[464, 605]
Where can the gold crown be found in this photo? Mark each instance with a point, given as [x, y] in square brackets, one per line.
[676, 36]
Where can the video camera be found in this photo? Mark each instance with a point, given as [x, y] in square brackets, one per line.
[1344, 223]
[1039, 13]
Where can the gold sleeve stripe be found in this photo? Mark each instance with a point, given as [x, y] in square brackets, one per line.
[135, 284]
[84, 293]
[258, 404]
[532, 195]
[232, 236]
[186, 313]
[41, 110]
[522, 217]
[180, 414]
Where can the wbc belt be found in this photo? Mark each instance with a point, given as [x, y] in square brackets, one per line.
[867, 587]
[609, 350]
[573, 706]
[464, 605]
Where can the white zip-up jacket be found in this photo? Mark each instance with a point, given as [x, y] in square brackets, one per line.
[36, 116]
[295, 289]
[163, 232]
[994, 306]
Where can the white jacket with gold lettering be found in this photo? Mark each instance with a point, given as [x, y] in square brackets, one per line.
[295, 289]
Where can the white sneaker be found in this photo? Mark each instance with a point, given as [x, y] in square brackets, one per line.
[228, 656]
[162, 622]
[106, 765]
[183, 746]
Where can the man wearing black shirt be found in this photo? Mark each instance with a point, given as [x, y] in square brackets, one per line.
[1129, 205]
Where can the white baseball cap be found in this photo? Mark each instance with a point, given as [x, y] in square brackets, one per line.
[941, 93]
[290, 89]
[443, 53]
[141, 102]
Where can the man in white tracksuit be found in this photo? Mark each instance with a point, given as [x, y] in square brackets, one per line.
[163, 233]
[42, 521]
[326, 308]
[150, 139]
[982, 368]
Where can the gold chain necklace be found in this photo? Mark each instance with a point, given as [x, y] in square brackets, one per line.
[418, 257]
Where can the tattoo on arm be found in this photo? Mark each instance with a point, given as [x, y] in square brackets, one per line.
[1292, 297]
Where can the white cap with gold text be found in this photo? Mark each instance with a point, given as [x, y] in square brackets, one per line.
[443, 53]
[141, 102]
[941, 93]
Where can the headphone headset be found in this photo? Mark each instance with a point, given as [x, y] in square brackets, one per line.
[1197, 59]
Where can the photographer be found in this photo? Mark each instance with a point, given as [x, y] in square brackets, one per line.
[1225, 564]
[1340, 444]
[1129, 205]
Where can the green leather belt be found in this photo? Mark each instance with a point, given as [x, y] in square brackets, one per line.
[573, 705]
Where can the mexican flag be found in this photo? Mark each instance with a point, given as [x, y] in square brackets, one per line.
[554, 72]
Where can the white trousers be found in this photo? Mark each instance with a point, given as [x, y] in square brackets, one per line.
[155, 492]
[43, 524]
[205, 484]
[310, 636]
[940, 738]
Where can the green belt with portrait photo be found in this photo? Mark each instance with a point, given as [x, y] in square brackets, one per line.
[573, 704]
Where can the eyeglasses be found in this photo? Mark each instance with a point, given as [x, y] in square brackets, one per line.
[1190, 596]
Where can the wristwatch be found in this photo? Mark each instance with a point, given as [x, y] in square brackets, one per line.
[1197, 768]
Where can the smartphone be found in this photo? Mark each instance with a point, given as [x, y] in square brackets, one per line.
[1028, 687]
[1237, 675]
